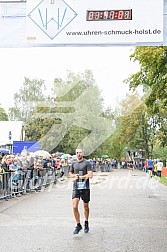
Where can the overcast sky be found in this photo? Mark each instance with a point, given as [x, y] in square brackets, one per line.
[110, 66]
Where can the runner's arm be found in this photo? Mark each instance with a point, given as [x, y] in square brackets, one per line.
[73, 175]
[87, 176]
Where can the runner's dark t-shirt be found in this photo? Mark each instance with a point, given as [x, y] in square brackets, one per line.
[82, 169]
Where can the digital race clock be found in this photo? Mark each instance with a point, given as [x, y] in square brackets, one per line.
[108, 15]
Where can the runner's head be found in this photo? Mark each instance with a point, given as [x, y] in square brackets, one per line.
[79, 154]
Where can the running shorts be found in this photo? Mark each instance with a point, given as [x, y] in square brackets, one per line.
[84, 194]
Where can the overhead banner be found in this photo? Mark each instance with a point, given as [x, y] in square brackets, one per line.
[94, 21]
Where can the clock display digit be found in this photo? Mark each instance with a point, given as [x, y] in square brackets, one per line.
[112, 15]
[90, 15]
[105, 15]
[97, 15]
[120, 14]
[127, 14]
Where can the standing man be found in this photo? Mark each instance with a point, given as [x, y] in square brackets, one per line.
[80, 172]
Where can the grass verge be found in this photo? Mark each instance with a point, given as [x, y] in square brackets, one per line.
[163, 180]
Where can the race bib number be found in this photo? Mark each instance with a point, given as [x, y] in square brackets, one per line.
[81, 185]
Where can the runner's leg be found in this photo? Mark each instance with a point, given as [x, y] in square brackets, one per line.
[75, 210]
[86, 210]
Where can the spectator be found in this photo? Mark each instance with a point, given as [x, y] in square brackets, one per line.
[7, 175]
[15, 176]
[0, 164]
[159, 167]
[1, 178]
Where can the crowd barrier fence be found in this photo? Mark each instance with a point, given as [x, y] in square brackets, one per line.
[21, 182]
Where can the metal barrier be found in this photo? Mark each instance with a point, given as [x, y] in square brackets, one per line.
[5, 185]
[24, 181]
[102, 167]
[21, 182]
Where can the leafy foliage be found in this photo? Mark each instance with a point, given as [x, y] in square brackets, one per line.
[79, 94]
[3, 115]
[26, 99]
[160, 153]
[153, 75]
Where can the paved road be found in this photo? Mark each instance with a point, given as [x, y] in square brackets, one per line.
[128, 213]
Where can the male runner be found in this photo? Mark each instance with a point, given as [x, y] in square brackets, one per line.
[80, 172]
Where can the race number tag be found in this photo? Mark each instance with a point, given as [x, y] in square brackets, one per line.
[81, 185]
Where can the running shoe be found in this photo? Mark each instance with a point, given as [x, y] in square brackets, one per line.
[86, 227]
[77, 229]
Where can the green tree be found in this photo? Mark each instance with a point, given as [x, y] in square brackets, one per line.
[160, 153]
[79, 93]
[37, 128]
[26, 99]
[110, 146]
[135, 127]
[3, 115]
[153, 75]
